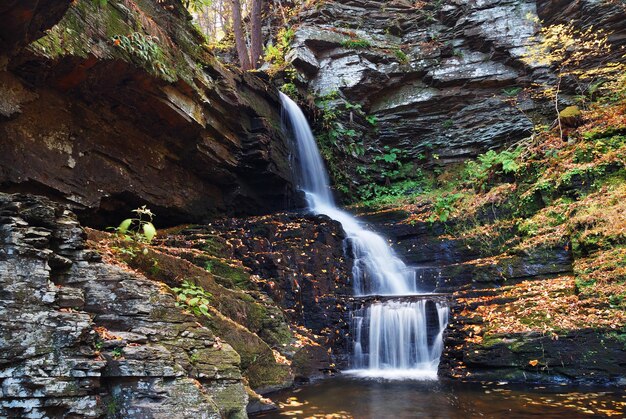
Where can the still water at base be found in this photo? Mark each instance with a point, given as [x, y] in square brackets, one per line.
[376, 399]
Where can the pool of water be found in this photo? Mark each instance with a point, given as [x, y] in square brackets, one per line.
[345, 397]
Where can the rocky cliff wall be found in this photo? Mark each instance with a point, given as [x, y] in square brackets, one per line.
[92, 327]
[108, 105]
[82, 338]
[437, 82]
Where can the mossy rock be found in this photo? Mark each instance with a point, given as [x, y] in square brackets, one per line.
[571, 116]
[257, 359]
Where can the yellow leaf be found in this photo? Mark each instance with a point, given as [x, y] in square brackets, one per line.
[149, 231]
[533, 362]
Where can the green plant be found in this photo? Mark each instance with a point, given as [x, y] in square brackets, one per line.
[401, 56]
[511, 91]
[489, 164]
[139, 228]
[375, 195]
[443, 207]
[289, 89]
[275, 54]
[338, 139]
[389, 155]
[448, 123]
[356, 43]
[145, 51]
[208, 266]
[196, 5]
[194, 298]
[113, 407]
[116, 353]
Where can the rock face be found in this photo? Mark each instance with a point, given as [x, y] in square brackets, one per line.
[304, 267]
[296, 260]
[81, 338]
[433, 75]
[486, 284]
[441, 78]
[88, 119]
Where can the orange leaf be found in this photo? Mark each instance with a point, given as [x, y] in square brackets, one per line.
[533, 362]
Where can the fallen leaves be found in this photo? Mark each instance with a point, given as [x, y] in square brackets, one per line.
[548, 306]
[105, 334]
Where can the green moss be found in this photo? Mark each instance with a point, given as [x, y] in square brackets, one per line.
[230, 276]
[491, 340]
[108, 23]
[212, 246]
[570, 112]
[356, 43]
[257, 359]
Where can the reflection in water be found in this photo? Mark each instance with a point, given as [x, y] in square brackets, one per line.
[375, 399]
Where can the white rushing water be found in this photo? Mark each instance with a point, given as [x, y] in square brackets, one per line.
[390, 338]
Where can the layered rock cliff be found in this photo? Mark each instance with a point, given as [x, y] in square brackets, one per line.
[92, 325]
[434, 82]
[82, 338]
[107, 105]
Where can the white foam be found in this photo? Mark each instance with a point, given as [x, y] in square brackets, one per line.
[426, 374]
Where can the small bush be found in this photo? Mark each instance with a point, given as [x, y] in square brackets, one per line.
[193, 298]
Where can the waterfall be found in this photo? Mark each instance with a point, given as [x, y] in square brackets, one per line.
[390, 339]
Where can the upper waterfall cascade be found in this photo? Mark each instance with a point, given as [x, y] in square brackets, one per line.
[390, 339]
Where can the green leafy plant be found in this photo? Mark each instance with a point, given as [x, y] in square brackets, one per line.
[490, 164]
[289, 89]
[443, 207]
[275, 54]
[194, 298]
[401, 56]
[511, 91]
[139, 228]
[196, 5]
[390, 159]
[144, 50]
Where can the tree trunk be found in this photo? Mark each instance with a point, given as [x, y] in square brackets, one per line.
[256, 40]
[240, 41]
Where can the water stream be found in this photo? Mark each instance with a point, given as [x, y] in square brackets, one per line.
[346, 397]
[391, 338]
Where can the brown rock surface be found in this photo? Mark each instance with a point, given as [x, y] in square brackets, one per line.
[88, 122]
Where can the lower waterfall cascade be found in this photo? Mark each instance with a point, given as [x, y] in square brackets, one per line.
[394, 338]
